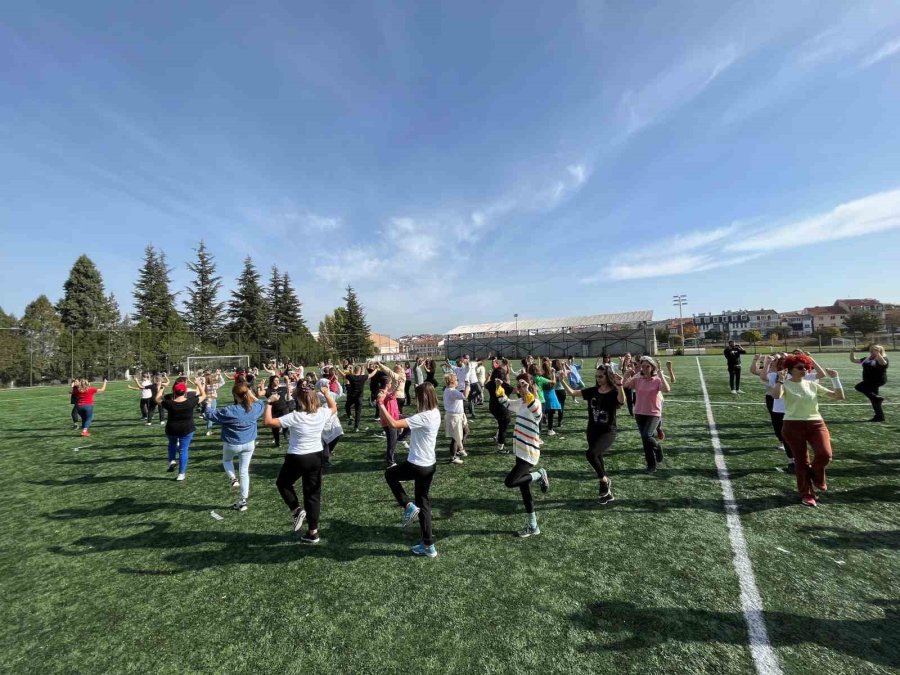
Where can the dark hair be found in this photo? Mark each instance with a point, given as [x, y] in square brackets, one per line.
[426, 397]
[242, 395]
[271, 383]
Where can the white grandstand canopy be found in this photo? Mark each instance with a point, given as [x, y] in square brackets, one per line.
[570, 323]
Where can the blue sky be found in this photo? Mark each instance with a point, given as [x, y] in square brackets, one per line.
[459, 162]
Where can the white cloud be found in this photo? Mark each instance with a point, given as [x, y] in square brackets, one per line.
[721, 247]
[886, 51]
[413, 238]
[675, 86]
[352, 265]
[290, 219]
[875, 213]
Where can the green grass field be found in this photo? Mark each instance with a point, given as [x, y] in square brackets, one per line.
[112, 566]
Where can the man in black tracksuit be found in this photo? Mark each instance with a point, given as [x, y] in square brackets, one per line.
[733, 358]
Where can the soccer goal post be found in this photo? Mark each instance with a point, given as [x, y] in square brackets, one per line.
[227, 364]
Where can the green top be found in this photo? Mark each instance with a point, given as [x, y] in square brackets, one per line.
[801, 400]
[541, 382]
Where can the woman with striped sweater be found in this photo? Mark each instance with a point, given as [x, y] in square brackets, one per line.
[526, 447]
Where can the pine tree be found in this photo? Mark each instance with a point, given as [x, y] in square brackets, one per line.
[290, 313]
[13, 353]
[333, 333]
[356, 342]
[203, 313]
[274, 295]
[248, 306]
[43, 330]
[84, 306]
[154, 304]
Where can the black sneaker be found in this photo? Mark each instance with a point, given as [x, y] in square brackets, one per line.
[604, 490]
[310, 538]
[171, 467]
[650, 470]
[606, 499]
[299, 517]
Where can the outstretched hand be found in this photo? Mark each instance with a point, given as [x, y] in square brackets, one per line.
[831, 372]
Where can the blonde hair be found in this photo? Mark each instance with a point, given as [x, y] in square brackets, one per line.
[449, 379]
[877, 348]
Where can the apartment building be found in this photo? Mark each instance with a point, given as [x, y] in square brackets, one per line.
[731, 323]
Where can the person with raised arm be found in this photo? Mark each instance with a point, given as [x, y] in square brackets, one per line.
[419, 465]
[238, 422]
[455, 425]
[649, 385]
[733, 358]
[527, 448]
[180, 406]
[499, 380]
[84, 400]
[303, 459]
[603, 401]
[804, 424]
[874, 376]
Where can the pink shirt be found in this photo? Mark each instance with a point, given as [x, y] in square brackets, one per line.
[390, 402]
[648, 397]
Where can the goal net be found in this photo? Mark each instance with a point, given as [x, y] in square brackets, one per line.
[194, 365]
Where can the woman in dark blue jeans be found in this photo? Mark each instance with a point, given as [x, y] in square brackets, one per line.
[180, 428]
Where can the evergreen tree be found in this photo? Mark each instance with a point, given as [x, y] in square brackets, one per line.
[203, 313]
[274, 297]
[290, 315]
[154, 304]
[84, 306]
[356, 341]
[248, 307]
[13, 355]
[43, 329]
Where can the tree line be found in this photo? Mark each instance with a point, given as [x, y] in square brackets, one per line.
[84, 333]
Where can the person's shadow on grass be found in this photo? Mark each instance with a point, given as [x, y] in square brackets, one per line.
[624, 626]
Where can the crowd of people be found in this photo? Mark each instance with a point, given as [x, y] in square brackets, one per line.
[300, 405]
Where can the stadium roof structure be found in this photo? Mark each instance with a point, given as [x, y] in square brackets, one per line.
[569, 323]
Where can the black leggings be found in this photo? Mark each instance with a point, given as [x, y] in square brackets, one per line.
[145, 408]
[561, 395]
[647, 426]
[630, 397]
[520, 477]
[423, 476]
[559, 415]
[309, 468]
[501, 414]
[734, 377]
[597, 445]
[153, 407]
[328, 449]
[353, 408]
[76, 418]
[870, 391]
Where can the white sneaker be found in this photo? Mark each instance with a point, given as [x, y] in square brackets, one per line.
[235, 484]
[733, 391]
[180, 477]
[551, 433]
[740, 391]
[162, 422]
[406, 444]
[209, 433]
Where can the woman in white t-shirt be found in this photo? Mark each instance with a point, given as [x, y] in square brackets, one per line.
[455, 425]
[419, 465]
[304, 455]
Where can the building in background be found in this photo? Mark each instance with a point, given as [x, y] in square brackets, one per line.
[764, 320]
[730, 323]
[387, 348]
[426, 346]
[859, 304]
[800, 323]
[827, 316]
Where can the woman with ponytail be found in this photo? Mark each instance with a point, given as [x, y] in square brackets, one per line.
[238, 424]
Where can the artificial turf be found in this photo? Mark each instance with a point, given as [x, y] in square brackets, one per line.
[112, 566]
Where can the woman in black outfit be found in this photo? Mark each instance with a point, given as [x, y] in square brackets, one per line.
[356, 383]
[430, 369]
[499, 376]
[603, 401]
[874, 375]
[279, 405]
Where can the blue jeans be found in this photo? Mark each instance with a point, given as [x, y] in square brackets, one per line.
[244, 453]
[210, 407]
[180, 444]
[86, 413]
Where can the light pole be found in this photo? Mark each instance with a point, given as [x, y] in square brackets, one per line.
[516, 317]
[681, 301]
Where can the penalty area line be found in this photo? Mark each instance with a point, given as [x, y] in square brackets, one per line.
[764, 658]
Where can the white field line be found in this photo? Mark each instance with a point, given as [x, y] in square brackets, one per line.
[764, 657]
[678, 400]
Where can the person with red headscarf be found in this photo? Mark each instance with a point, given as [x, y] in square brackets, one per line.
[804, 424]
[180, 427]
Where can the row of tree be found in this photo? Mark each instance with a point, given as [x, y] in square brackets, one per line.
[85, 332]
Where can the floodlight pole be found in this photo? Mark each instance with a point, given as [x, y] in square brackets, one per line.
[516, 317]
[680, 300]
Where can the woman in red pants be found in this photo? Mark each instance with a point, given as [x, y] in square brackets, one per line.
[803, 424]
